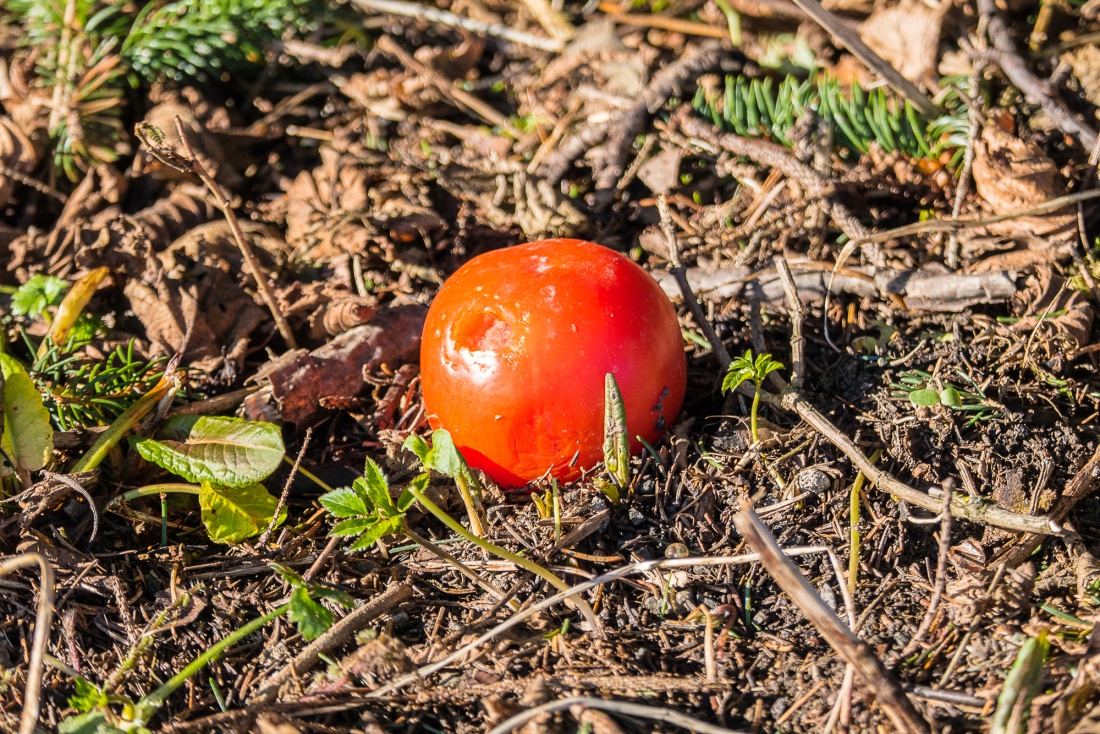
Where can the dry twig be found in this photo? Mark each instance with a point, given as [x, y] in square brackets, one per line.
[31, 703]
[889, 693]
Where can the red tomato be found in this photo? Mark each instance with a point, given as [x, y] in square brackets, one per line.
[516, 346]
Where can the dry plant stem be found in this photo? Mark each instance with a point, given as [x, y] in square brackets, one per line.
[624, 125]
[446, 87]
[435, 15]
[870, 669]
[1083, 483]
[797, 313]
[1037, 91]
[31, 702]
[941, 572]
[972, 509]
[776, 156]
[337, 635]
[266, 534]
[544, 573]
[462, 568]
[221, 200]
[851, 41]
[633, 569]
[652, 20]
[653, 713]
[951, 255]
[679, 273]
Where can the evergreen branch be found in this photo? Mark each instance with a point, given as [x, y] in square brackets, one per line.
[757, 108]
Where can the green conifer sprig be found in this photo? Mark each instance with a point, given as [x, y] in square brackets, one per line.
[84, 62]
[205, 40]
[81, 393]
[858, 118]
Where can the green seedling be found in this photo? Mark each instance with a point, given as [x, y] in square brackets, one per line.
[101, 713]
[1022, 684]
[442, 456]
[224, 459]
[923, 389]
[368, 512]
[616, 444]
[746, 368]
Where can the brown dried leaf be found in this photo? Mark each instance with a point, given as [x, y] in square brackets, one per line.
[17, 153]
[907, 35]
[300, 380]
[1047, 299]
[1013, 174]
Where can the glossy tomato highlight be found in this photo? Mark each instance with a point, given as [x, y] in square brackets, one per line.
[516, 346]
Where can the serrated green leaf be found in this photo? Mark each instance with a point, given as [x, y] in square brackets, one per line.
[951, 397]
[28, 436]
[406, 500]
[376, 485]
[378, 530]
[231, 452]
[925, 397]
[344, 502]
[232, 514]
[287, 574]
[353, 526]
[326, 592]
[312, 619]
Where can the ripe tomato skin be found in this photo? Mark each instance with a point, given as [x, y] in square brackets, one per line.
[517, 343]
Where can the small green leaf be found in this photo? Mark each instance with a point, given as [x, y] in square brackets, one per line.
[325, 592]
[951, 397]
[378, 530]
[27, 434]
[232, 514]
[376, 485]
[288, 574]
[406, 500]
[418, 446]
[313, 620]
[231, 452]
[40, 291]
[344, 502]
[444, 457]
[353, 526]
[925, 397]
[609, 489]
[88, 697]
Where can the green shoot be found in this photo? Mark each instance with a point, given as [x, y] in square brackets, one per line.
[92, 702]
[442, 456]
[616, 445]
[755, 370]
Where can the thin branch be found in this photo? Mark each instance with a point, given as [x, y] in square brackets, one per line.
[889, 693]
[614, 575]
[653, 713]
[941, 571]
[851, 41]
[797, 313]
[154, 141]
[336, 636]
[31, 702]
[266, 534]
[435, 15]
[1037, 91]
[680, 274]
